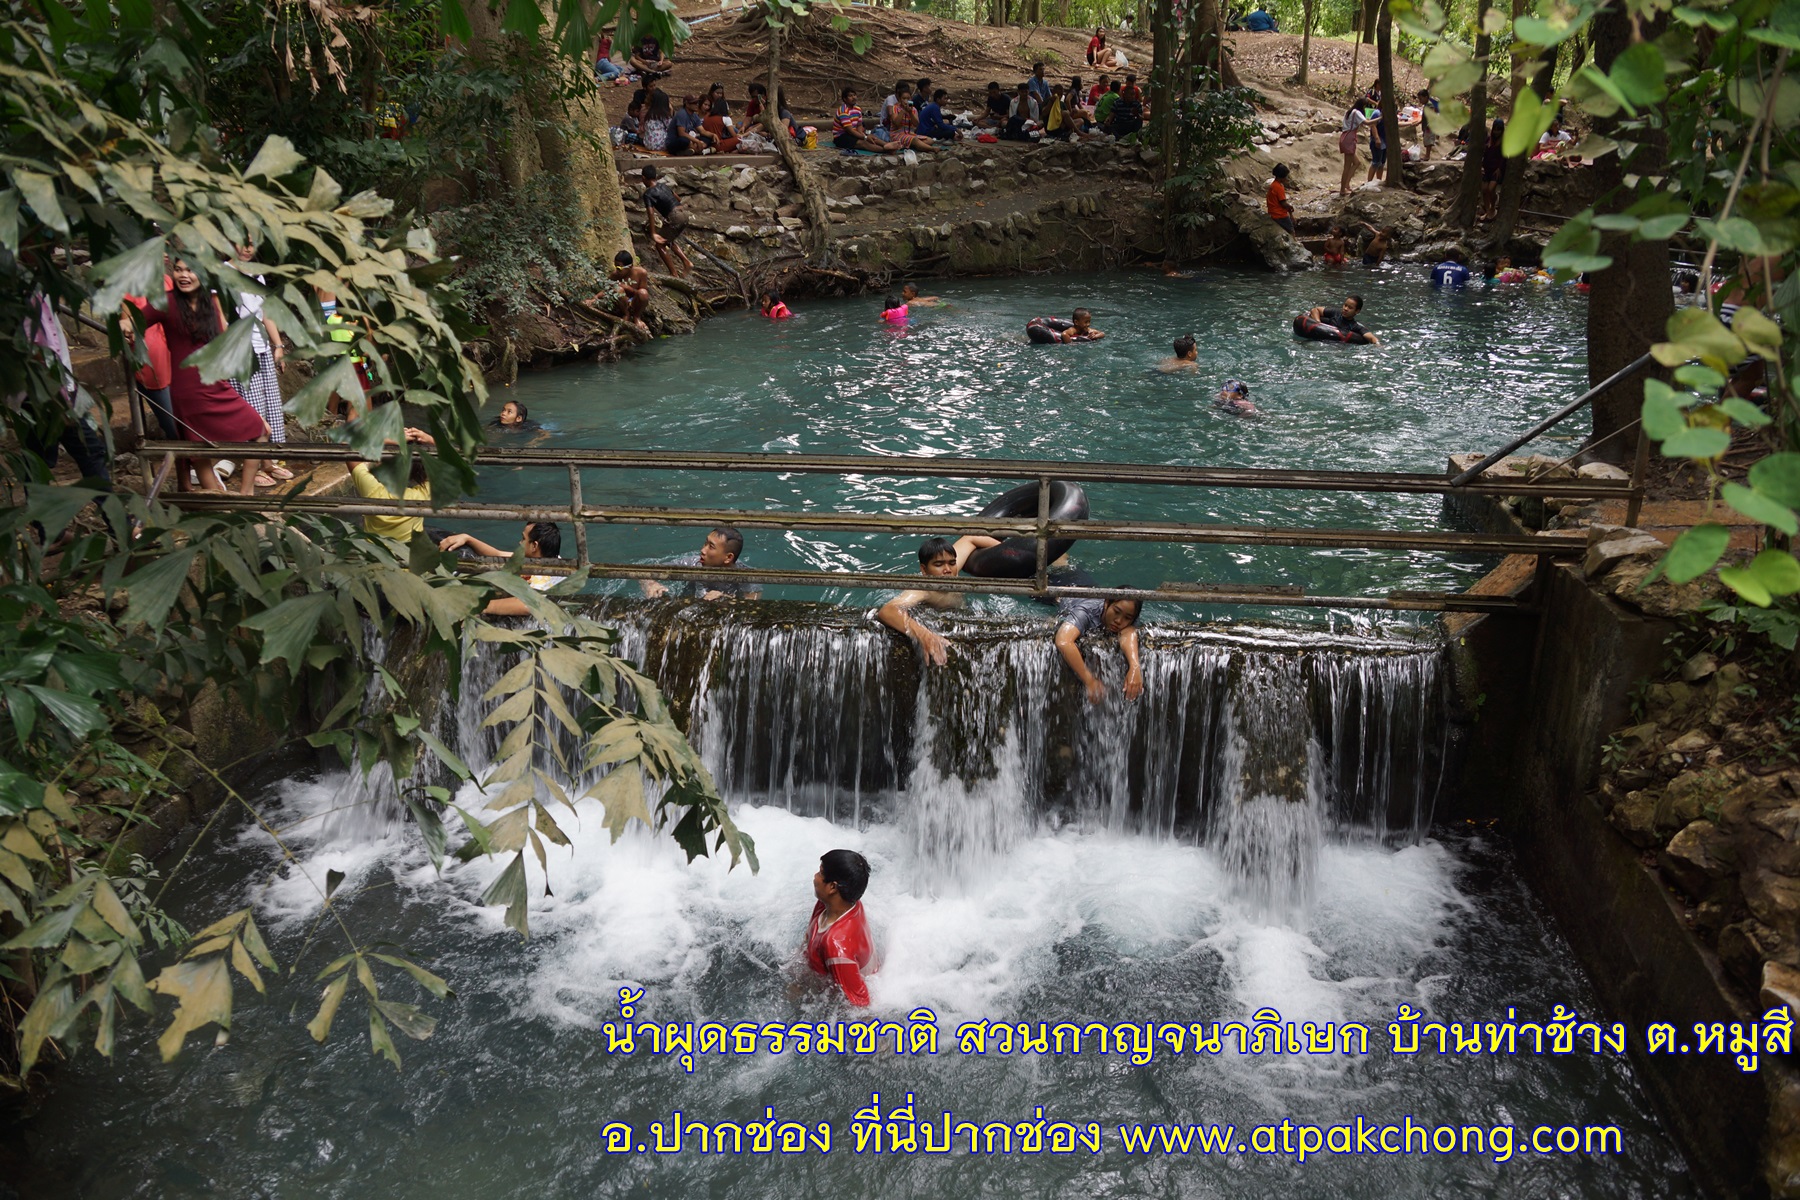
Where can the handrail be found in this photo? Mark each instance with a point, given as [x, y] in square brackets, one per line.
[1562, 414]
[1418, 483]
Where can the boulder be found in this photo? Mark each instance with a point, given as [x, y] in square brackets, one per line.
[1773, 898]
[1635, 817]
[1780, 989]
[1699, 858]
[1273, 244]
[1597, 470]
[1630, 584]
[1603, 556]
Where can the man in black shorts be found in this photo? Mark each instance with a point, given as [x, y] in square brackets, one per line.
[662, 208]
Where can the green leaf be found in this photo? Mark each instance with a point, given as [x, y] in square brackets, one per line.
[445, 755]
[1699, 441]
[1724, 22]
[1657, 229]
[48, 1010]
[1747, 95]
[1638, 74]
[1695, 551]
[288, 628]
[1759, 507]
[1744, 412]
[1777, 571]
[1778, 477]
[408, 1019]
[1530, 118]
[1697, 333]
[276, 158]
[1663, 414]
[9, 220]
[320, 1025]
[136, 272]
[371, 432]
[454, 20]
[380, 1041]
[508, 888]
[228, 356]
[1744, 582]
[1698, 376]
[337, 376]
[39, 191]
[1546, 32]
[427, 980]
[204, 991]
[54, 506]
[1760, 335]
[80, 715]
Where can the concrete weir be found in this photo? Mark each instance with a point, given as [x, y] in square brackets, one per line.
[1551, 699]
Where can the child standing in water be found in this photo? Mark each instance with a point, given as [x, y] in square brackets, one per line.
[838, 945]
[1335, 253]
[773, 307]
[893, 310]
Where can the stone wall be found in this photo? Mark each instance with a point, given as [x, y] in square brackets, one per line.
[970, 208]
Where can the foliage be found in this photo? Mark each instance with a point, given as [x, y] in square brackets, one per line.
[524, 251]
[1703, 108]
[107, 161]
[1211, 124]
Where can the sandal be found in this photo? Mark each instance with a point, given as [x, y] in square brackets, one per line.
[263, 480]
[278, 471]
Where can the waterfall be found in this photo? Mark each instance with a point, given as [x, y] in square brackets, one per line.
[1260, 742]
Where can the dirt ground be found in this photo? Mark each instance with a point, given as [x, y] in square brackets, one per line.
[818, 61]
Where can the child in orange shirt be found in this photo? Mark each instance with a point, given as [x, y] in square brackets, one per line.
[1280, 211]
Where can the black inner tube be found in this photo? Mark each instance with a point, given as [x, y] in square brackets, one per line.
[1016, 557]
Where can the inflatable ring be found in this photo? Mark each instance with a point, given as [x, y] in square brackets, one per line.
[1319, 331]
[1016, 557]
[1046, 331]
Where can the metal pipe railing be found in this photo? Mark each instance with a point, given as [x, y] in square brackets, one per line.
[1558, 417]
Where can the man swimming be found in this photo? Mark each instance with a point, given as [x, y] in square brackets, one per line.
[540, 539]
[909, 293]
[838, 945]
[1187, 356]
[1077, 617]
[939, 559]
[723, 545]
[1335, 324]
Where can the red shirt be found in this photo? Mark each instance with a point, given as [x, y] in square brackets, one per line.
[1277, 200]
[158, 374]
[842, 952]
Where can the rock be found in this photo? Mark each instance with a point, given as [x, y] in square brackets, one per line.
[1149, 156]
[842, 186]
[1604, 471]
[1273, 244]
[1699, 667]
[1660, 598]
[1784, 823]
[1773, 898]
[743, 180]
[738, 233]
[1699, 858]
[1605, 555]
[791, 222]
[1635, 817]
[1780, 989]
[1690, 742]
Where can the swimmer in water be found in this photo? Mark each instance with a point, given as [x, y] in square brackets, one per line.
[1187, 356]
[893, 310]
[1336, 251]
[838, 945]
[773, 307]
[1077, 617]
[1083, 329]
[910, 293]
[1234, 398]
[939, 559]
[1340, 322]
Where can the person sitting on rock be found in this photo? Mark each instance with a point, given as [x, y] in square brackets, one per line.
[649, 61]
[1103, 107]
[999, 108]
[932, 123]
[634, 282]
[692, 124]
[1276, 200]
[847, 132]
[1022, 116]
[903, 133]
[1128, 113]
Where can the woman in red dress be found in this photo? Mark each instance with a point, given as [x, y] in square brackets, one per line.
[206, 412]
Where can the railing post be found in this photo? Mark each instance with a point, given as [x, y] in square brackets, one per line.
[1043, 534]
[581, 551]
[1640, 470]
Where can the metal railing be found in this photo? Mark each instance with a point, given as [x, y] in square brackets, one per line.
[1041, 528]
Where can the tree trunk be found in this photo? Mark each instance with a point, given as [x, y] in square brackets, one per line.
[1211, 53]
[1390, 108]
[1468, 195]
[1370, 10]
[1629, 303]
[812, 193]
[1512, 180]
[567, 137]
[1306, 23]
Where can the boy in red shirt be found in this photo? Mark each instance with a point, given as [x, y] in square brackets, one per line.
[1280, 211]
[837, 937]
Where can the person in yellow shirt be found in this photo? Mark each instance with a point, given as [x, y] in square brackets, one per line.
[418, 487]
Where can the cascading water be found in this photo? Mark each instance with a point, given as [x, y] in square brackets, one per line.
[1257, 743]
